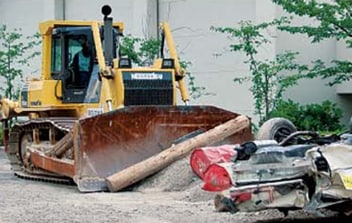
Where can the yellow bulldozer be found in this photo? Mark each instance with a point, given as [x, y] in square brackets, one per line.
[83, 125]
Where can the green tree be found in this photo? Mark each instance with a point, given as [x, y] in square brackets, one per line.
[144, 51]
[16, 52]
[333, 19]
[270, 78]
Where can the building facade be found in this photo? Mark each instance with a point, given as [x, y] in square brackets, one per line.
[190, 21]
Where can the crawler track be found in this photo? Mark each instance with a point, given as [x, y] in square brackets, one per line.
[55, 180]
[61, 126]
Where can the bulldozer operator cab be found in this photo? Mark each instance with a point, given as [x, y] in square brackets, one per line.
[83, 61]
[73, 61]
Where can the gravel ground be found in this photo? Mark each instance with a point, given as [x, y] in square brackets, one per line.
[160, 198]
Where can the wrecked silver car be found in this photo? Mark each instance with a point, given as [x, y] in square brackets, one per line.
[285, 169]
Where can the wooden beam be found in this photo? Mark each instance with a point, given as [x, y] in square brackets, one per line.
[161, 160]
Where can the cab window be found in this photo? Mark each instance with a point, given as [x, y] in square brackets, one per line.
[56, 57]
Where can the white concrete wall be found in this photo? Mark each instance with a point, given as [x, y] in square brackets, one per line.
[344, 89]
[308, 52]
[26, 15]
[190, 21]
[134, 13]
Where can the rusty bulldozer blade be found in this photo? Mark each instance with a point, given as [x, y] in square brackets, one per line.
[108, 143]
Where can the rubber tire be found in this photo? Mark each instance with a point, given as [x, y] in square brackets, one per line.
[276, 128]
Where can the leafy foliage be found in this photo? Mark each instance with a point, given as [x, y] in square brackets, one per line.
[332, 20]
[270, 78]
[338, 72]
[144, 51]
[140, 51]
[15, 52]
[195, 90]
[324, 117]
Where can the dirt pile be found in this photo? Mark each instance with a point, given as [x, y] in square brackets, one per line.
[176, 177]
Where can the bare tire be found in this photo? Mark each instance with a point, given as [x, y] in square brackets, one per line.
[276, 128]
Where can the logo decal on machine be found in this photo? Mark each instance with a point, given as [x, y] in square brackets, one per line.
[94, 111]
[146, 76]
[36, 103]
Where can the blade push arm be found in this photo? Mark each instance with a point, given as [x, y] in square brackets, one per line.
[180, 72]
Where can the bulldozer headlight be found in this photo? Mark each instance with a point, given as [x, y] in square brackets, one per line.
[125, 63]
[168, 63]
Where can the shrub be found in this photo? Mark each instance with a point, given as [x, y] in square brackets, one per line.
[315, 117]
